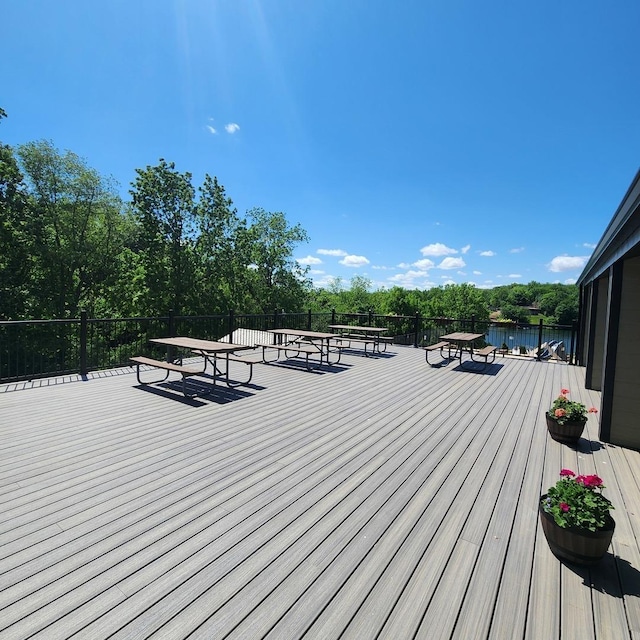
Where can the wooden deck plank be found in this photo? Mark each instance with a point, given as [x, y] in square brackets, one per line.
[359, 541]
[368, 498]
[369, 573]
[511, 608]
[349, 473]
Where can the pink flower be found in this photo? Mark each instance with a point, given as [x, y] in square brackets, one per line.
[592, 481]
[593, 410]
[564, 392]
[566, 472]
[564, 506]
[559, 413]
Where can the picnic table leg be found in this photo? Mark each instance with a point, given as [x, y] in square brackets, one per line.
[232, 385]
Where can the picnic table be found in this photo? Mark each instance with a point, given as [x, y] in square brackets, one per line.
[211, 350]
[362, 335]
[294, 343]
[463, 341]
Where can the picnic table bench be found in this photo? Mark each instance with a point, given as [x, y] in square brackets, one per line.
[485, 352]
[438, 346]
[296, 343]
[211, 350]
[459, 342]
[364, 335]
[186, 372]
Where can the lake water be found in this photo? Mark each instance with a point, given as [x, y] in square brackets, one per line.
[514, 337]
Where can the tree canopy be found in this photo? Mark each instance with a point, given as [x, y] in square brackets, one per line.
[69, 242]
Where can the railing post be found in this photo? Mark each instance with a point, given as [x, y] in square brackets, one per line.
[83, 344]
[473, 323]
[309, 320]
[333, 316]
[416, 327]
[539, 340]
[573, 345]
[370, 317]
[275, 319]
[231, 325]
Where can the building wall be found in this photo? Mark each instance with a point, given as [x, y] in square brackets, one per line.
[595, 356]
[625, 412]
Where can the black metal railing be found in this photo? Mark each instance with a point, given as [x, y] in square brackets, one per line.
[40, 348]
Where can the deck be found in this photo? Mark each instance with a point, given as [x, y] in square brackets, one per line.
[381, 498]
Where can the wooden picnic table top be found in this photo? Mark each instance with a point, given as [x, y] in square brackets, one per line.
[462, 336]
[303, 333]
[197, 344]
[348, 327]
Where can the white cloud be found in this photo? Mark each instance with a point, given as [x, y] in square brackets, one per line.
[404, 265]
[567, 263]
[232, 127]
[354, 261]
[452, 263]
[309, 260]
[477, 273]
[465, 248]
[332, 252]
[588, 245]
[570, 281]
[412, 280]
[437, 249]
[517, 250]
[488, 254]
[514, 275]
[424, 264]
[211, 129]
[324, 282]
[462, 273]
[449, 281]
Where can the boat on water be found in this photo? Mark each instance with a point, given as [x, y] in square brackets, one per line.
[552, 349]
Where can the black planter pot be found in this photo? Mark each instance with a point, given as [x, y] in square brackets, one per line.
[567, 433]
[579, 546]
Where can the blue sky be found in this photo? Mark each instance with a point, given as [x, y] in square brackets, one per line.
[418, 142]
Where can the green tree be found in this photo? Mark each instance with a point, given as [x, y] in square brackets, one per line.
[566, 312]
[73, 223]
[15, 249]
[275, 280]
[398, 301]
[223, 251]
[457, 301]
[512, 312]
[163, 204]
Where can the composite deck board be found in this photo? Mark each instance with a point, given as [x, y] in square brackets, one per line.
[379, 497]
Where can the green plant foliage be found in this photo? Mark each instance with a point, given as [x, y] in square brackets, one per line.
[564, 410]
[577, 501]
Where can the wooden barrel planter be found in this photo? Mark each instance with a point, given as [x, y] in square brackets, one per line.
[567, 433]
[579, 546]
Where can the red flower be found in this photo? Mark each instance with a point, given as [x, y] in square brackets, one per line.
[566, 472]
[593, 410]
[564, 506]
[559, 413]
[564, 392]
[592, 481]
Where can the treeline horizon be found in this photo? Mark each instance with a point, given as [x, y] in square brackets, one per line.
[70, 243]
